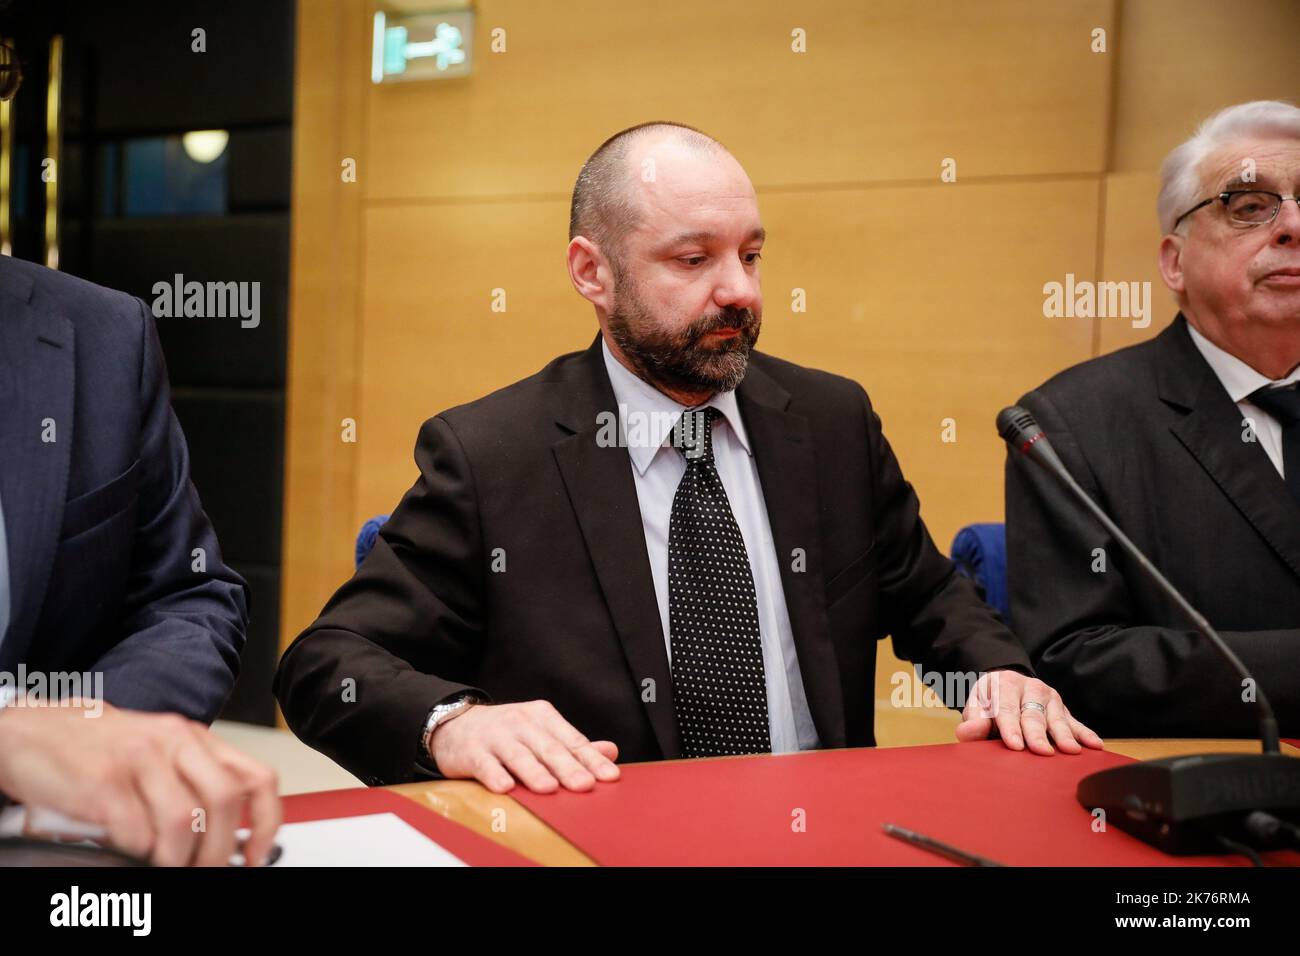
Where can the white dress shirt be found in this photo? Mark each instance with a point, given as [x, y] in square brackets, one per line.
[1240, 380]
[646, 416]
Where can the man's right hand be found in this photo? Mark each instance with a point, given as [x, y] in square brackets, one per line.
[141, 777]
[497, 744]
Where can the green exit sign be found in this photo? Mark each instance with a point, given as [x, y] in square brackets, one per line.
[421, 46]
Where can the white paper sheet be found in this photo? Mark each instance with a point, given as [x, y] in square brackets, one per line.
[377, 839]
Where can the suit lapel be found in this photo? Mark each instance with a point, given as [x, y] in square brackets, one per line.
[1211, 431]
[783, 451]
[38, 384]
[603, 494]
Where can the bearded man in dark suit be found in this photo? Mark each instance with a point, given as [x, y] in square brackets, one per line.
[666, 545]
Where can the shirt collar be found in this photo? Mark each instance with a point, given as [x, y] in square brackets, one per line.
[656, 413]
[1238, 378]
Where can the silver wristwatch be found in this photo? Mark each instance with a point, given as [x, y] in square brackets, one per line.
[442, 713]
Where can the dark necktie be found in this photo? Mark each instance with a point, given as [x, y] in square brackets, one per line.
[1284, 405]
[719, 693]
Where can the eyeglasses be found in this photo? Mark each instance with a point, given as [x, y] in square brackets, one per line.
[1252, 207]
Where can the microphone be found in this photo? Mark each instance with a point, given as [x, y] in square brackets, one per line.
[1179, 804]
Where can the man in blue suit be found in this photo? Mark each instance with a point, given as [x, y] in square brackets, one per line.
[112, 564]
[110, 570]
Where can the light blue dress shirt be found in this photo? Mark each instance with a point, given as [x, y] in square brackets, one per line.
[646, 417]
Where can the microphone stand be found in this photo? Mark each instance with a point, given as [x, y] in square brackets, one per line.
[1197, 803]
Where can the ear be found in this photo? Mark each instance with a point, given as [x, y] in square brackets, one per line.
[590, 272]
[1171, 262]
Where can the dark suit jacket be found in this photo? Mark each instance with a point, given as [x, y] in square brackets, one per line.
[573, 618]
[102, 521]
[1151, 434]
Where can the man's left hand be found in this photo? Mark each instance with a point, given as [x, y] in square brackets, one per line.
[1024, 711]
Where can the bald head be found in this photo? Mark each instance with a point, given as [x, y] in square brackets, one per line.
[606, 204]
[664, 242]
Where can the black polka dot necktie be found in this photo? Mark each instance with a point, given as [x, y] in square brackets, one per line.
[719, 692]
[1284, 405]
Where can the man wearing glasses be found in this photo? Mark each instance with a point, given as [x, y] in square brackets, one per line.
[1192, 442]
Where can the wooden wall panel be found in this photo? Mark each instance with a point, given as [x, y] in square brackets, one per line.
[900, 299]
[885, 91]
[431, 339]
[324, 310]
[1130, 253]
[1180, 60]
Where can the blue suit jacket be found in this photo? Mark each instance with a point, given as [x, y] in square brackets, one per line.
[102, 522]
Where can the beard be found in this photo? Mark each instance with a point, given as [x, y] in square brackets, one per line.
[679, 357]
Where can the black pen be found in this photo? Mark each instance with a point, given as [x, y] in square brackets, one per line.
[935, 846]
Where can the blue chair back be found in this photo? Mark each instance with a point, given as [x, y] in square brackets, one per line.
[980, 553]
[366, 536]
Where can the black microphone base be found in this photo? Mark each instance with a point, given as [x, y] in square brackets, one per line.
[1184, 805]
